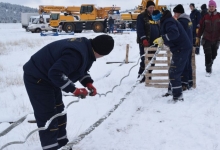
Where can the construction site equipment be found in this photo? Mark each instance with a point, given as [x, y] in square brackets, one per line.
[89, 17]
[128, 20]
[27, 19]
[73, 10]
[55, 34]
[160, 74]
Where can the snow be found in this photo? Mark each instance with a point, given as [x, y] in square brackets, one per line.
[143, 121]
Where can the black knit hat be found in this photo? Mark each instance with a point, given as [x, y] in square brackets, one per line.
[192, 4]
[150, 3]
[179, 9]
[204, 6]
[103, 44]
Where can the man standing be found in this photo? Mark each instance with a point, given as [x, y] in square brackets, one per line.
[185, 21]
[111, 24]
[209, 30]
[55, 68]
[147, 32]
[195, 18]
[204, 10]
[175, 37]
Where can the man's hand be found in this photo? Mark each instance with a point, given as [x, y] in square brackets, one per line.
[159, 42]
[197, 41]
[145, 43]
[80, 92]
[92, 89]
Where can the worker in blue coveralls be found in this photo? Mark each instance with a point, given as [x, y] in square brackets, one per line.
[55, 68]
[147, 31]
[184, 19]
[195, 16]
[174, 36]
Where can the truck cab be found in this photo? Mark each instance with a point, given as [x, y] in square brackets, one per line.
[41, 23]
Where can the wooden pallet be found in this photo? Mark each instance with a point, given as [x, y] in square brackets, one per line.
[162, 65]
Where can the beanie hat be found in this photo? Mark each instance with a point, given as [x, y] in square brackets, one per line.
[150, 3]
[103, 44]
[178, 9]
[204, 6]
[212, 3]
[192, 4]
[156, 15]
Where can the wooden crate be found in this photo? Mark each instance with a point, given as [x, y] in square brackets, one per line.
[160, 70]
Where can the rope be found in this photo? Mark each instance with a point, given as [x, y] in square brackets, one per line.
[97, 123]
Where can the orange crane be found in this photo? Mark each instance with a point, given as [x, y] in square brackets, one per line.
[90, 17]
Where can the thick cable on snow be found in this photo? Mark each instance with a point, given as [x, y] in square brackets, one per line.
[13, 125]
[39, 129]
[97, 123]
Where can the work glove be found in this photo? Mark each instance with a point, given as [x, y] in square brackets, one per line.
[197, 30]
[145, 43]
[80, 92]
[92, 89]
[159, 42]
[197, 41]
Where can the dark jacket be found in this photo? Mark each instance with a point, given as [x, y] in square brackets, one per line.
[174, 34]
[147, 28]
[105, 23]
[110, 22]
[185, 21]
[62, 63]
[209, 27]
[204, 10]
[195, 17]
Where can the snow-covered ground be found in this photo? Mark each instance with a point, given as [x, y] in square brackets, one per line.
[145, 121]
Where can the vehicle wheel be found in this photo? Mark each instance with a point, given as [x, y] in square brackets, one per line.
[37, 30]
[69, 27]
[98, 27]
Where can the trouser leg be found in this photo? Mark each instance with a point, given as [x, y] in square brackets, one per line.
[176, 69]
[142, 63]
[186, 73]
[62, 120]
[208, 55]
[43, 99]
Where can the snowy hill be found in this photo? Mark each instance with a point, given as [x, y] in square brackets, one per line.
[144, 121]
[11, 13]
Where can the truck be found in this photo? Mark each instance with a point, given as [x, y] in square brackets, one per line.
[41, 23]
[27, 19]
[75, 18]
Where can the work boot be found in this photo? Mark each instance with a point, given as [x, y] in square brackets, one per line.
[169, 93]
[176, 99]
[209, 68]
[185, 87]
[143, 80]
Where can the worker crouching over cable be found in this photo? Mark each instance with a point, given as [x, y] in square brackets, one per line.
[55, 68]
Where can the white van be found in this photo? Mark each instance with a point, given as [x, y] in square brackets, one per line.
[41, 23]
[27, 19]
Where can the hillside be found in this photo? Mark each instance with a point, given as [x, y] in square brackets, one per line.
[12, 13]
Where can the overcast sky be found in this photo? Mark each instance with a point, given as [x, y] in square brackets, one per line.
[124, 4]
